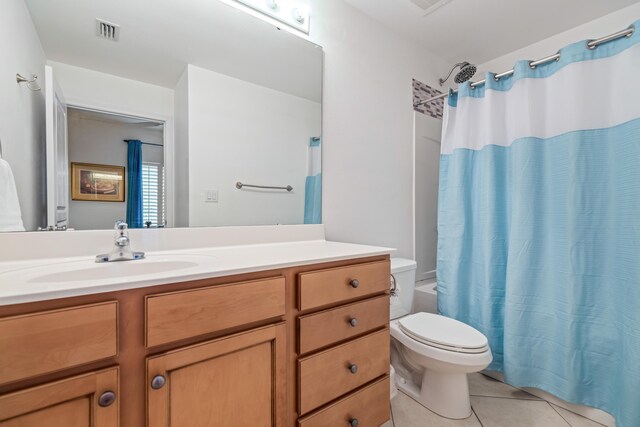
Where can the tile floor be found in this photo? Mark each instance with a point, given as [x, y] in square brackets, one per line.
[494, 404]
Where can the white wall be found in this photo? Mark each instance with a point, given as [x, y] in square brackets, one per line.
[240, 131]
[603, 26]
[22, 132]
[88, 88]
[368, 152]
[181, 151]
[101, 142]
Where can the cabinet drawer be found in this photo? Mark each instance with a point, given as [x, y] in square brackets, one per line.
[330, 326]
[319, 288]
[49, 341]
[369, 406]
[330, 374]
[185, 314]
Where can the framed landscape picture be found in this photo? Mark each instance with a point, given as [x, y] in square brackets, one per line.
[97, 183]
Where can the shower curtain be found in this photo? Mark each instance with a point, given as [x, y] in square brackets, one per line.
[134, 184]
[539, 223]
[313, 184]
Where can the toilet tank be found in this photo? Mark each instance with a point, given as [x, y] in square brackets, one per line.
[404, 272]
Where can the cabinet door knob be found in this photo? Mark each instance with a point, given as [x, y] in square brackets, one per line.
[353, 422]
[353, 368]
[353, 322]
[106, 398]
[158, 382]
[354, 283]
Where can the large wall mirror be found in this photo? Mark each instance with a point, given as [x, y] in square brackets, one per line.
[164, 113]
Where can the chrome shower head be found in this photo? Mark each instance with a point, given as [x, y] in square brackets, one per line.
[467, 71]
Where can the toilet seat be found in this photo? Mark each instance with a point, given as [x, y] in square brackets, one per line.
[444, 333]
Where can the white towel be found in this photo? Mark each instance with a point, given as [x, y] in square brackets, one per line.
[10, 216]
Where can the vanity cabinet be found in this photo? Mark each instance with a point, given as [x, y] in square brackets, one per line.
[89, 400]
[233, 381]
[297, 346]
[343, 346]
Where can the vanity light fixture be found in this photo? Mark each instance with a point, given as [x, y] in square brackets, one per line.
[274, 5]
[294, 13]
[299, 14]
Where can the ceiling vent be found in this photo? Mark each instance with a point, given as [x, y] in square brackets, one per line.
[429, 6]
[107, 30]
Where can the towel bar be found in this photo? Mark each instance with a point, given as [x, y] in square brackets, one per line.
[239, 186]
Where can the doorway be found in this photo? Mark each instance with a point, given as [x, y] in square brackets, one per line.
[98, 139]
[427, 134]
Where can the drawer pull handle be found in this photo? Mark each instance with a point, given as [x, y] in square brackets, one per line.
[354, 283]
[106, 399]
[353, 422]
[158, 382]
[353, 322]
[353, 368]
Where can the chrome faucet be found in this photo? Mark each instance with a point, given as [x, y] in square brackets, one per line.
[121, 246]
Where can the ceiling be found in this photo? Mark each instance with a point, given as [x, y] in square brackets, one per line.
[77, 113]
[480, 30]
[158, 38]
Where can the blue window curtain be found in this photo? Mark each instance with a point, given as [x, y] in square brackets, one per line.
[134, 184]
[539, 223]
[313, 184]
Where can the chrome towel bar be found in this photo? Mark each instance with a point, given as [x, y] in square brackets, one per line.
[239, 186]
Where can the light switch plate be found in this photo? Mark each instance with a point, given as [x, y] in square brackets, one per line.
[211, 196]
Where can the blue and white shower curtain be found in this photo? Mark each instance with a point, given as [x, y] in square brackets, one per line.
[313, 184]
[539, 223]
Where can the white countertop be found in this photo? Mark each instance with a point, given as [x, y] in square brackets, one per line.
[51, 278]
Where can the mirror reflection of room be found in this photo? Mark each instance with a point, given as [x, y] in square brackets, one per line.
[228, 115]
[100, 146]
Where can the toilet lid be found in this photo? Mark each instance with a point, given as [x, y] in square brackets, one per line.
[443, 332]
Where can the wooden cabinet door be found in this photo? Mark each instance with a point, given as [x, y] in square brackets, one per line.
[89, 400]
[236, 381]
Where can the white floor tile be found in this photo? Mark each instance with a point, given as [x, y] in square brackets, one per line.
[481, 385]
[409, 413]
[501, 412]
[575, 420]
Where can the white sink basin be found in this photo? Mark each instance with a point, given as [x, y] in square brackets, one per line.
[114, 269]
[86, 270]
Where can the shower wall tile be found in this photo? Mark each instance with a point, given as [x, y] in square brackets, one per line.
[422, 91]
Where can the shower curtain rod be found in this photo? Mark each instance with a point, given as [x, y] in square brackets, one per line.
[591, 44]
[145, 143]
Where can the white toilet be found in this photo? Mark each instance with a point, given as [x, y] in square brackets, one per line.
[432, 354]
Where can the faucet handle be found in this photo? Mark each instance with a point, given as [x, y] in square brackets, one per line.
[121, 229]
[121, 250]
